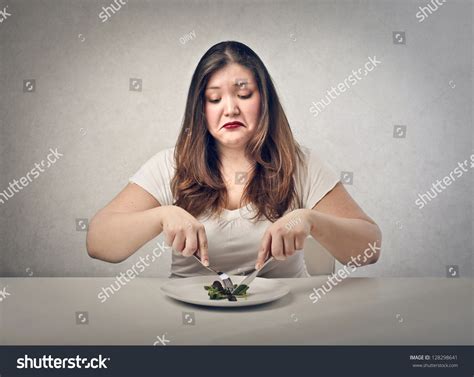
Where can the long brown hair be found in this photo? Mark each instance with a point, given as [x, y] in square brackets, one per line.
[198, 185]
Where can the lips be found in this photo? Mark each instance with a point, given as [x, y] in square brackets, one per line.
[231, 125]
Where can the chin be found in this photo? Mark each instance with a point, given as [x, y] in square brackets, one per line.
[235, 143]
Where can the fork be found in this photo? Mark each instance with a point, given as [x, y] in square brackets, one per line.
[222, 275]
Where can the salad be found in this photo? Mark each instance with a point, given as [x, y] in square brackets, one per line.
[217, 292]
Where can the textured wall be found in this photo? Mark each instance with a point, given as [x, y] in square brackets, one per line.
[83, 104]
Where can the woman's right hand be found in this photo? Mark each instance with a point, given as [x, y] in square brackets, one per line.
[184, 233]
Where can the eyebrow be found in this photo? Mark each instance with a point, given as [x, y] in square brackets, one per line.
[238, 83]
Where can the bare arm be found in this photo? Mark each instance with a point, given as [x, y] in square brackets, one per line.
[130, 220]
[336, 222]
[342, 227]
[133, 218]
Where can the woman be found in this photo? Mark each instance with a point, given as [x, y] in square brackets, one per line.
[237, 187]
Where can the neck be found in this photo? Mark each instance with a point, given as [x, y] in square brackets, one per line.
[234, 158]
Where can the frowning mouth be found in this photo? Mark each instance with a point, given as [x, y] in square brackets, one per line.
[231, 125]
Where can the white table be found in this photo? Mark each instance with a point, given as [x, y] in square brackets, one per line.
[358, 311]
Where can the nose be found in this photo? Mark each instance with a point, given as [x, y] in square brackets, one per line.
[231, 107]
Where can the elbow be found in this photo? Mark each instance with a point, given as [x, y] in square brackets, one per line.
[102, 255]
[376, 246]
[92, 252]
[375, 258]
[372, 252]
[96, 251]
[90, 246]
[91, 242]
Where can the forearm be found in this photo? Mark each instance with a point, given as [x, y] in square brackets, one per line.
[345, 238]
[114, 236]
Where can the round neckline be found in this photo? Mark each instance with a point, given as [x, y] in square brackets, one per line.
[232, 214]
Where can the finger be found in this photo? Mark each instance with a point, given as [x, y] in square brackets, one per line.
[289, 244]
[278, 248]
[191, 242]
[169, 238]
[264, 249]
[202, 241]
[299, 242]
[178, 242]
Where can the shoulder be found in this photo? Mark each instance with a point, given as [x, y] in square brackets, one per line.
[313, 177]
[164, 156]
[159, 166]
[311, 160]
[162, 161]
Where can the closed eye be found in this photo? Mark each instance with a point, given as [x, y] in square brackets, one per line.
[217, 100]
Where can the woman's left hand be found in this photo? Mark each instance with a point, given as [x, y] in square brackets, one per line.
[285, 236]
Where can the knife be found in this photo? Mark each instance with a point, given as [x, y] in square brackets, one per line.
[251, 276]
[222, 275]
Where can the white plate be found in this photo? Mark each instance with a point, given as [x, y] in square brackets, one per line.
[191, 290]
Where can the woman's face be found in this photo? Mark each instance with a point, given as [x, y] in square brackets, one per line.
[232, 95]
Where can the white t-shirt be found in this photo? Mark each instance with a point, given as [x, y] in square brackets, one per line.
[234, 239]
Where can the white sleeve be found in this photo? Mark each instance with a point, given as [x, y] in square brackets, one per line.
[320, 178]
[155, 176]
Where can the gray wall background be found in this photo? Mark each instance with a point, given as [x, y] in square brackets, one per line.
[82, 105]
